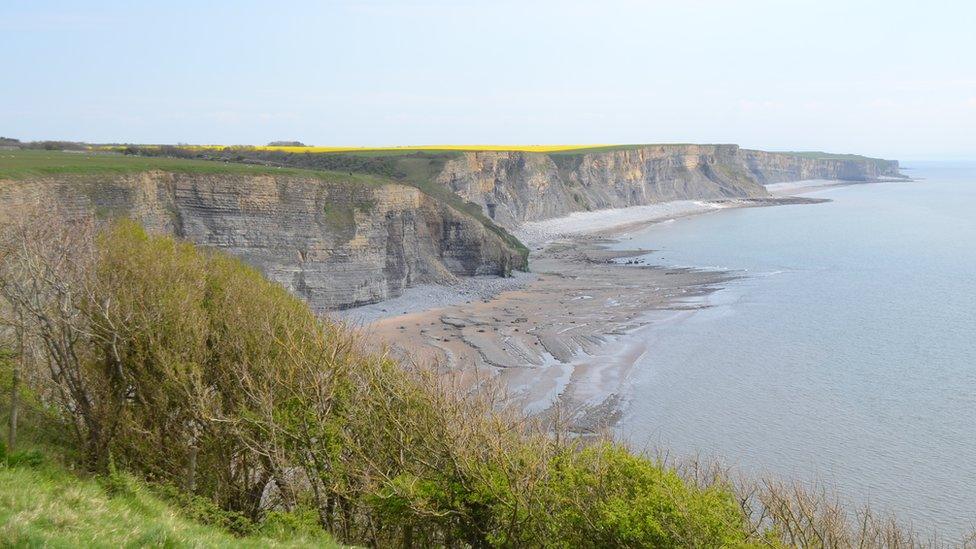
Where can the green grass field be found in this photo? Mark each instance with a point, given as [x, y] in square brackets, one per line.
[26, 164]
[48, 506]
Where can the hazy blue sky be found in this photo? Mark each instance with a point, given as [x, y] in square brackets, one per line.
[891, 78]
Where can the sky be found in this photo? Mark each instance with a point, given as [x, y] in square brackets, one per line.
[891, 78]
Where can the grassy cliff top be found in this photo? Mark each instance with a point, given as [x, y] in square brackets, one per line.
[820, 155]
[26, 164]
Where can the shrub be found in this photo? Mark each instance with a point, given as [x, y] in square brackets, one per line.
[182, 363]
[605, 496]
[204, 510]
[287, 524]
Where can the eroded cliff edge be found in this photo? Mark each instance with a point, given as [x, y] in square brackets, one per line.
[777, 167]
[514, 187]
[335, 244]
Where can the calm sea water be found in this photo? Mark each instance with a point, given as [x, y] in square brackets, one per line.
[847, 353]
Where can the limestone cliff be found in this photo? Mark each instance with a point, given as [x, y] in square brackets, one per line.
[514, 187]
[774, 167]
[334, 244]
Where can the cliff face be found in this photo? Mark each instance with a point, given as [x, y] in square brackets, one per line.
[513, 187]
[771, 167]
[519, 186]
[335, 245]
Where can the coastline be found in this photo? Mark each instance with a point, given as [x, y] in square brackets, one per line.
[852, 317]
[793, 188]
[562, 339]
[611, 222]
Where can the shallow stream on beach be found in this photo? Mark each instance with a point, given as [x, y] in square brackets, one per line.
[846, 353]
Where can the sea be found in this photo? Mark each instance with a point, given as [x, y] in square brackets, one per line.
[844, 354]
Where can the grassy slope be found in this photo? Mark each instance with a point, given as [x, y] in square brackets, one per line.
[51, 507]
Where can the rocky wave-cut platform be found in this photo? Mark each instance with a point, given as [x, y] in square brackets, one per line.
[564, 341]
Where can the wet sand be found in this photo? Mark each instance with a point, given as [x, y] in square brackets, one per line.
[565, 340]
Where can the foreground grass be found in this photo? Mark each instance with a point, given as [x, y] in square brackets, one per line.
[25, 164]
[49, 506]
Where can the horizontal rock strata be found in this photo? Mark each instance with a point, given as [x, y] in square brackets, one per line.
[336, 245]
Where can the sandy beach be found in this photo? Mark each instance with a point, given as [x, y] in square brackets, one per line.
[565, 336]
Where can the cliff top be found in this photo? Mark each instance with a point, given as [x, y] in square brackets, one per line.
[26, 164]
[445, 150]
[820, 155]
[405, 149]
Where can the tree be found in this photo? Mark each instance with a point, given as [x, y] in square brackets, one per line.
[47, 282]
